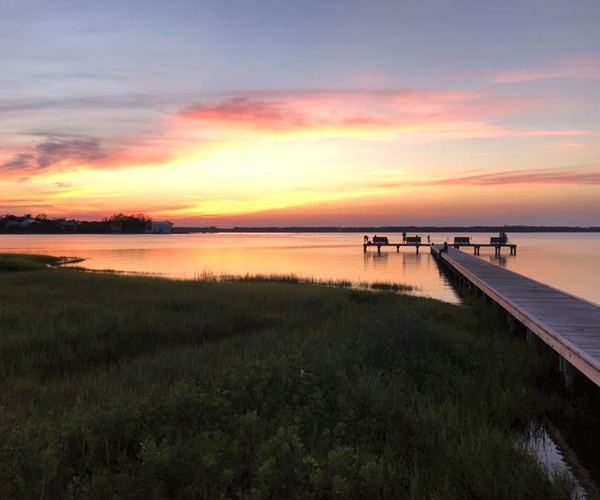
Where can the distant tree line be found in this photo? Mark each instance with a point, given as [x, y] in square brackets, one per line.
[42, 224]
[141, 223]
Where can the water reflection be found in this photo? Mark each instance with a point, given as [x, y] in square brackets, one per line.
[567, 261]
[550, 450]
[322, 256]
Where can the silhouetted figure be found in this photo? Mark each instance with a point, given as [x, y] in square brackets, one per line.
[404, 237]
[444, 248]
[366, 240]
[428, 238]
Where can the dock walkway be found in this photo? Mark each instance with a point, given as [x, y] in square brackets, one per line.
[568, 324]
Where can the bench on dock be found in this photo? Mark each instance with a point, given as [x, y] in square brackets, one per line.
[462, 240]
[413, 239]
[380, 239]
[498, 240]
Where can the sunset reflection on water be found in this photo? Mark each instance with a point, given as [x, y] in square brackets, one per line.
[567, 261]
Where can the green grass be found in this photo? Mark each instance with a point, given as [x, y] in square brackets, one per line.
[121, 387]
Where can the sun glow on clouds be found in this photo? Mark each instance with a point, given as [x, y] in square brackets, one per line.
[359, 114]
[270, 151]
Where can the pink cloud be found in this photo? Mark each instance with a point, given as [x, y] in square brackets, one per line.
[245, 112]
[427, 115]
[582, 68]
[349, 112]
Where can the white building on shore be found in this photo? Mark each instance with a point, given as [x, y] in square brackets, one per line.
[161, 226]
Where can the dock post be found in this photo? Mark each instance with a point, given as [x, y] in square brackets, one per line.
[378, 249]
[365, 248]
[516, 326]
[512, 322]
[532, 339]
[568, 371]
[417, 245]
[397, 248]
[530, 336]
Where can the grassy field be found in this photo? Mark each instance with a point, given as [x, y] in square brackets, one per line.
[120, 387]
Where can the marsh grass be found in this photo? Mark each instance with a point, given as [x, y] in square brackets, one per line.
[18, 262]
[293, 279]
[124, 387]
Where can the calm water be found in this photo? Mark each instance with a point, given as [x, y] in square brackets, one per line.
[567, 261]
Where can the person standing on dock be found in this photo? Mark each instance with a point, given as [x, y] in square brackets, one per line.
[404, 237]
[428, 239]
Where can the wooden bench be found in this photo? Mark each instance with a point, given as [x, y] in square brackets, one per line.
[380, 239]
[497, 240]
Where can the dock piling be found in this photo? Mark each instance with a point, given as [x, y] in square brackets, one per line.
[568, 371]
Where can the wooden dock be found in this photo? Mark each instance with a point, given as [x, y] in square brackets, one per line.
[366, 246]
[497, 247]
[568, 324]
[476, 246]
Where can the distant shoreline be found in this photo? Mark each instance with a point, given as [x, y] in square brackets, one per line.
[331, 229]
[391, 229]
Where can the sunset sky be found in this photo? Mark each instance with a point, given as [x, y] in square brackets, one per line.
[302, 112]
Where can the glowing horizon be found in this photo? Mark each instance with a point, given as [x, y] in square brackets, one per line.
[442, 131]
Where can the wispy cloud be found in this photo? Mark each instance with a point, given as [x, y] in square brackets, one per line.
[367, 113]
[243, 111]
[124, 101]
[55, 151]
[353, 112]
[61, 152]
[580, 174]
[582, 68]
[21, 161]
[559, 133]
